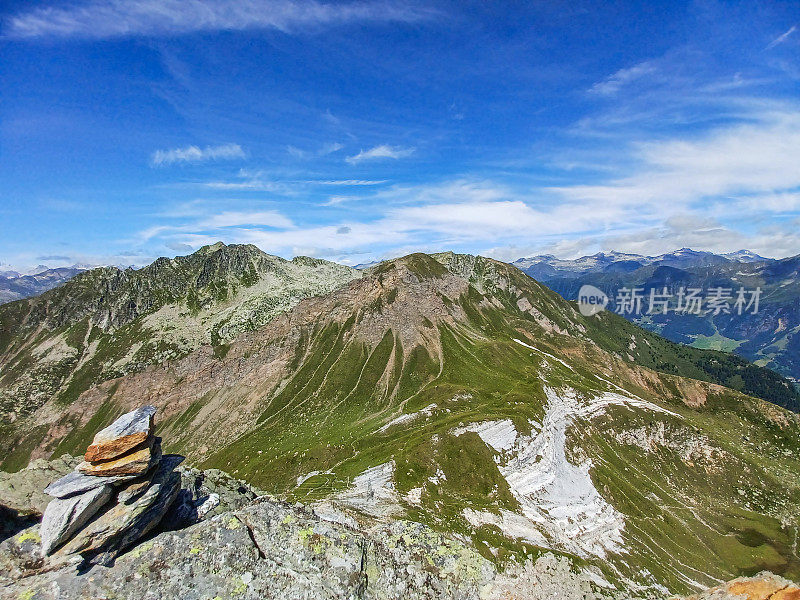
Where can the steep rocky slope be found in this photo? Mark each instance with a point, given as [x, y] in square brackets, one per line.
[106, 322]
[459, 393]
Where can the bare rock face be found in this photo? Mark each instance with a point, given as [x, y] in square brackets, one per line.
[124, 434]
[63, 517]
[273, 550]
[135, 462]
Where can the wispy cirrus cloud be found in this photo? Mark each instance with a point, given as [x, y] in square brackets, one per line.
[380, 152]
[612, 84]
[201, 218]
[195, 154]
[782, 38]
[713, 191]
[124, 18]
[234, 218]
[346, 182]
[757, 157]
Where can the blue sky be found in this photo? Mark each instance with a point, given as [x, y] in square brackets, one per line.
[131, 129]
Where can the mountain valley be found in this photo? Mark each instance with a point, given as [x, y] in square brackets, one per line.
[768, 338]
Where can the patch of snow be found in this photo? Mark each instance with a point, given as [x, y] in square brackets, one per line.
[557, 494]
[438, 477]
[510, 523]
[373, 492]
[302, 478]
[414, 496]
[408, 417]
[500, 435]
[560, 506]
[327, 512]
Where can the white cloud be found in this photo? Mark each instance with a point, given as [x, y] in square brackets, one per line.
[380, 152]
[351, 182]
[721, 190]
[121, 18]
[612, 84]
[331, 148]
[752, 158]
[268, 218]
[338, 200]
[192, 154]
[782, 38]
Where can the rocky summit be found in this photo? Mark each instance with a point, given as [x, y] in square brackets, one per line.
[91, 519]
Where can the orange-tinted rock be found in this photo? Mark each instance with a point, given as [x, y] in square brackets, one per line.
[127, 432]
[790, 593]
[764, 586]
[136, 461]
[764, 589]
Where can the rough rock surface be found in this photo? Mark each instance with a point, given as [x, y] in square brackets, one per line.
[764, 586]
[207, 493]
[21, 498]
[127, 432]
[274, 550]
[116, 529]
[22, 491]
[63, 517]
[74, 483]
[135, 462]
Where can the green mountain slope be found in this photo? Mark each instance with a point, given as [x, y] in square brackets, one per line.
[105, 323]
[456, 391]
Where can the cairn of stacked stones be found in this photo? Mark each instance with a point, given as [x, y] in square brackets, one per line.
[119, 493]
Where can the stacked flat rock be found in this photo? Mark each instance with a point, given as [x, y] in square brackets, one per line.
[118, 493]
[126, 447]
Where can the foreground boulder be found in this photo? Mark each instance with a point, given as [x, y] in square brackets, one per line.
[272, 549]
[131, 514]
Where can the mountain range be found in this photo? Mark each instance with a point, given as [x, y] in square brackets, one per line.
[14, 286]
[445, 389]
[768, 337]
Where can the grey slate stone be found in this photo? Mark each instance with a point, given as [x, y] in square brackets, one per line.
[136, 421]
[77, 483]
[123, 524]
[63, 517]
